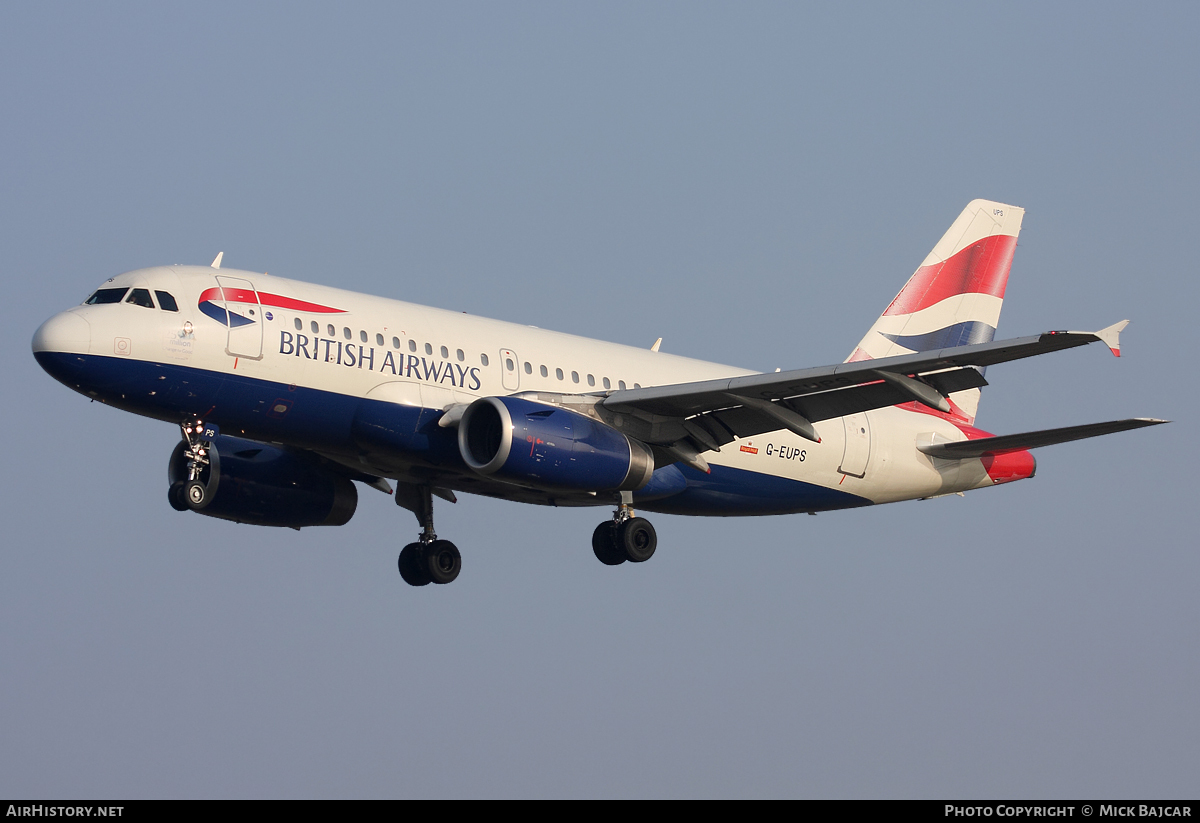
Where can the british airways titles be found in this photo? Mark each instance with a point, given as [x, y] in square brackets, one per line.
[353, 355]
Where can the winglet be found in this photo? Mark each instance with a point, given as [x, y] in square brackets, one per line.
[1111, 337]
[216, 263]
[657, 343]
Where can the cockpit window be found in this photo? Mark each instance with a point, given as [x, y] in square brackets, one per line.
[102, 296]
[166, 302]
[141, 297]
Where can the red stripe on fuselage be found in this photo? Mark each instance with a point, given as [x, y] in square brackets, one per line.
[281, 302]
[980, 268]
[234, 295]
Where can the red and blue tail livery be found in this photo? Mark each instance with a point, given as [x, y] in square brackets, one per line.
[290, 396]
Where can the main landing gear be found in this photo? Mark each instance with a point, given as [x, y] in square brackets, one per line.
[625, 537]
[429, 560]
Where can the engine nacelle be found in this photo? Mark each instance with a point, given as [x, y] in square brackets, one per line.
[550, 448]
[250, 482]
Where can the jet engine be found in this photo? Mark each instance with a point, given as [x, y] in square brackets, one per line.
[550, 448]
[250, 482]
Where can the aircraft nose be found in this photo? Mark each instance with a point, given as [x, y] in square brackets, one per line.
[64, 332]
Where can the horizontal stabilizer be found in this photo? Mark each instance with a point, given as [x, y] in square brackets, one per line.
[1029, 440]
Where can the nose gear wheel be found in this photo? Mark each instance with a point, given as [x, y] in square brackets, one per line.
[196, 491]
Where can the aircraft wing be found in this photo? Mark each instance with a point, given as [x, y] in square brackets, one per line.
[710, 413]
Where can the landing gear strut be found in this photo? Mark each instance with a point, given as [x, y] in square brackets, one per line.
[625, 537]
[429, 560]
[195, 492]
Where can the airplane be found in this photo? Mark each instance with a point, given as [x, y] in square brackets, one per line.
[287, 393]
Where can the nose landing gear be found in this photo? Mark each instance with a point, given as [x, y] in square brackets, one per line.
[625, 537]
[429, 560]
[197, 491]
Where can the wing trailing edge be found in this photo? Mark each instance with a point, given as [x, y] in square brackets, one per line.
[846, 388]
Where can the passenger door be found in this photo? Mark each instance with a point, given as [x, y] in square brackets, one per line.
[243, 314]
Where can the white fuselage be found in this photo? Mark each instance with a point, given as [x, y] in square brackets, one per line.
[303, 341]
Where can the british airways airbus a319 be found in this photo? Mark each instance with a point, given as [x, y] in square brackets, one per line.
[287, 392]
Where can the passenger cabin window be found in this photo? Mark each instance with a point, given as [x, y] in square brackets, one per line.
[378, 339]
[459, 354]
[346, 332]
[141, 297]
[483, 359]
[558, 373]
[429, 348]
[167, 303]
[607, 383]
[544, 371]
[574, 377]
[103, 296]
[362, 336]
[591, 380]
[509, 364]
[621, 384]
[329, 330]
[395, 342]
[299, 323]
[445, 352]
[528, 367]
[412, 345]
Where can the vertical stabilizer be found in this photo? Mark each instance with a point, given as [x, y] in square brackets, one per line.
[954, 297]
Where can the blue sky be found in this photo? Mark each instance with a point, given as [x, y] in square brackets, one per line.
[753, 183]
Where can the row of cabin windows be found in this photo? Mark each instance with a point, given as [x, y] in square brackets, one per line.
[330, 331]
[558, 373]
[138, 297]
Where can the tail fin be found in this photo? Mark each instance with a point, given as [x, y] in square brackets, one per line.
[954, 297]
